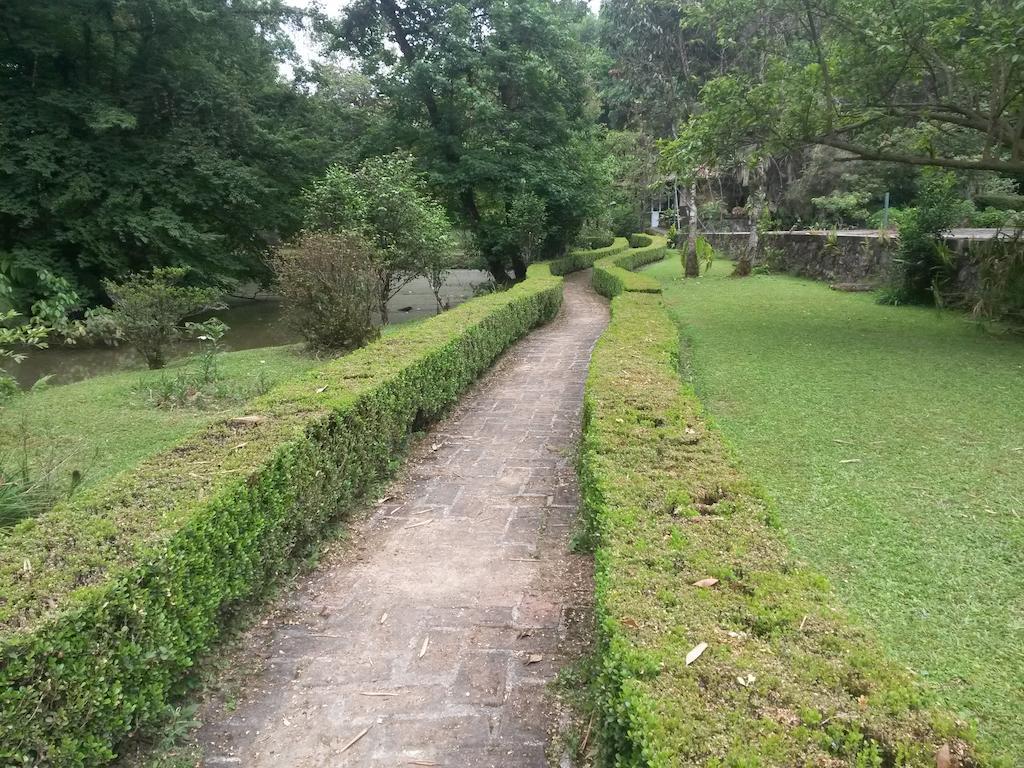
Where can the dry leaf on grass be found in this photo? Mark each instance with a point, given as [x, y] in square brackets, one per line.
[695, 653]
[321, 390]
[710, 581]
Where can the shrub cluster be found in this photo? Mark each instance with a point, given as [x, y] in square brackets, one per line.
[687, 554]
[613, 275]
[584, 259]
[330, 289]
[107, 600]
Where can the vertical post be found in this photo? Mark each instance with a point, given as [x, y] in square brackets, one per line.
[885, 213]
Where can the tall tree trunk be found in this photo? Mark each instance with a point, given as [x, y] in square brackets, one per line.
[692, 267]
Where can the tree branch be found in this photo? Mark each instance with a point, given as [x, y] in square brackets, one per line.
[864, 153]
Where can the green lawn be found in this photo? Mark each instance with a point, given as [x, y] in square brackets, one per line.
[106, 424]
[893, 441]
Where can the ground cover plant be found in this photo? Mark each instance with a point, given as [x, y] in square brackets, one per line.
[891, 440]
[108, 424]
[106, 601]
[717, 648]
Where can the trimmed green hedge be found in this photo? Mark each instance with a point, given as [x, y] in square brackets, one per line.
[106, 602]
[613, 274]
[785, 679]
[640, 240]
[584, 259]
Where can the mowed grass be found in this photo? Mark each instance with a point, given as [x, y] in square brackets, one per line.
[892, 439]
[107, 424]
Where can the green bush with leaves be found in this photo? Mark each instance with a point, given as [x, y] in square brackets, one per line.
[386, 202]
[14, 338]
[582, 258]
[330, 289]
[107, 600]
[149, 308]
[614, 274]
[923, 267]
[716, 647]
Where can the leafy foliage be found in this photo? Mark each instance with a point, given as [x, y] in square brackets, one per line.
[150, 132]
[493, 97]
[385, 201]
[330, 289]
[149, 307]
[98, 638]
[918, 82]
[614, 274]
[923, 266]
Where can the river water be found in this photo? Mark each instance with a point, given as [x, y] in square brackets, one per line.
[253, 323]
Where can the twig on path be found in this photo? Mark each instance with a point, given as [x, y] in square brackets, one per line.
[586, 738]
[421, 522]
[357, 737]
[423, 650]
[380, 693]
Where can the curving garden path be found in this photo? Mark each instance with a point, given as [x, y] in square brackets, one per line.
[434, 646]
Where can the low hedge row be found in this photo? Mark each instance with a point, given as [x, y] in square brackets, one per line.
[106, 602]
[785, 679]
[613, 274]
[584, 259]
[640, 240]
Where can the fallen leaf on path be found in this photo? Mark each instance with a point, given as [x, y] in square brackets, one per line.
[423, 650]
[437, 446]
[695, 653]
[533, 658]
[357, 737]
[383, 617]
[710, 581]
[632, 623]
[382, 499]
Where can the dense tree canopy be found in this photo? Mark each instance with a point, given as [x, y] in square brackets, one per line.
[147, 132]
[918, 82]
[493, 98]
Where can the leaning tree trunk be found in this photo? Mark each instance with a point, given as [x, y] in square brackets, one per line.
[692, 266]
[746, 262]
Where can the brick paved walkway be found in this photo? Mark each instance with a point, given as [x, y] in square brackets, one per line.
[441, 638]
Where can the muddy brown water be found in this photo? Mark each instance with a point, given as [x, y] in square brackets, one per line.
[253, 323]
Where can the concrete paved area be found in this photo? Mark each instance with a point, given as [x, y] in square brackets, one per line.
[435, 647]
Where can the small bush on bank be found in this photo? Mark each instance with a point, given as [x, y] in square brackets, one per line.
[716, 647]
[923, 268]
[107, 600]
[149, 307]
[329, 287]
